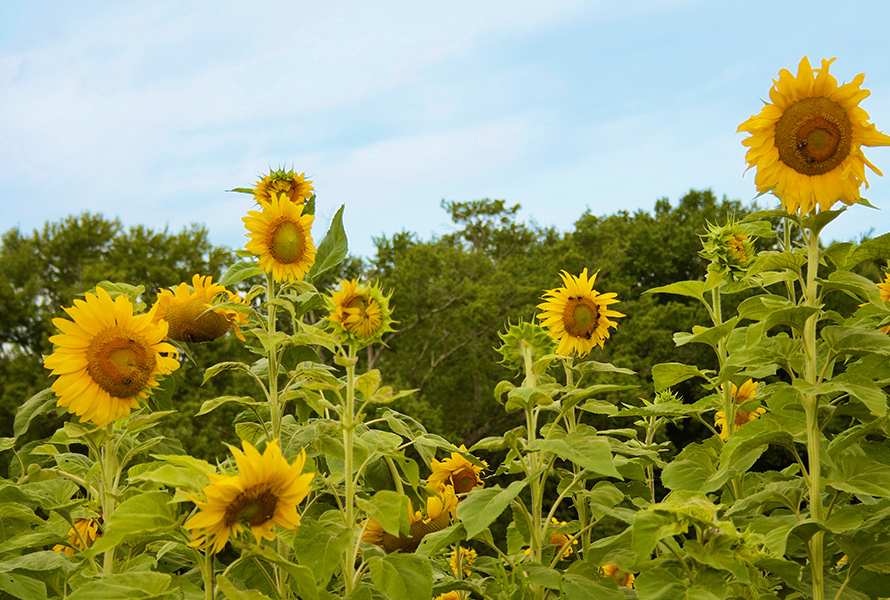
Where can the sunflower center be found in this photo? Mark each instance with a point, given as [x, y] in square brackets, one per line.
[367, 316]
[120, 362]
[580, 317]
[189, 323]
[464, 480]
[286, 242]
[252, 506]
[814, 136]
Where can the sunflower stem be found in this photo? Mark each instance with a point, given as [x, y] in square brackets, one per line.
[108, 470]
[348, 425]
[811, 408]
[272, 358]
[537, 478]
[208, 574]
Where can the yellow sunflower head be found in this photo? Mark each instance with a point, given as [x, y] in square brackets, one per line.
[807, 143]
[86, 530]
[106, 358]
[452, 595]
[620, 577]
[440, 510]
[884, 288]
[740, 395]
[455, 471]
[265, 492]
[577, 315]
[191, 315]
[296, 187]
[461, 560]
[280, 235]
[360, 312]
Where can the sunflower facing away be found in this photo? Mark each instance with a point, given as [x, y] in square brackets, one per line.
[280, 236]
[455, 471]
[806, 145]
[190, 313]
[620, 577]
[440, 510]
[296, 187]
[740, 395]
[360, 311]
[265, 492]
[89, 533]
[106, 358]
[577, 315]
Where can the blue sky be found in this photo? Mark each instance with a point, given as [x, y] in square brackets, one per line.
[150, 111]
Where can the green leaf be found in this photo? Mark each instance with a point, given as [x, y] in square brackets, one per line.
[692, 468]
[332, 249]
[436, 541]
[771, 261]
[318, 549]
[792, 317]
[161, 397]
[141, 585]
[233, 593]
[855, 341]
[45, 560]
[666, 583]
[482, 506]
[859, 474]
[213, 404]
[403, 576]
[711, 336]
[144, 514]
[391, 509]
[169, 475]
[543, 576]
[591, 453]
[667, 375]
[37, 404]
[224, 366]
[691, 289]
[239, 272]
[24, 587]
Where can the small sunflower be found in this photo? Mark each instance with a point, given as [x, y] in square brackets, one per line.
[440, 510]
[190, 313]
[740, 395]
[107, 358]
[89, 533]
[265, 492]
[461, 560]
[361, 312]
[620, 577]
[452, 595]
[455, 471]
[296, 187]
[577, 315]
[728, 248]
[524, 338]
[280, 235]
[806, 145]
[561, 540]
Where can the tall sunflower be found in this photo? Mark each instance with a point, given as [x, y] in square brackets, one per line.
[191, 315]
[455, 471]
[280, 235]
[577, 315]
[360, 311]
[806, 145]
[265, 492]
[740, 395]
[106, 358]
[440, 510]
[296, 187]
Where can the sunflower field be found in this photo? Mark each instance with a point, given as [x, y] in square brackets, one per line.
[337, 489]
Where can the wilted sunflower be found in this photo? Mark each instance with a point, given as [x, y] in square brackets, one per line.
[577, 315]
[440, 510]
[461, 560]
[190, 313]
[107, 358]
[265, 492]
[89, 532]
[280, 235]
[360, 311]
[620, 577]
[455, 471]
[806, 145]
[740, 395]
[296, 187]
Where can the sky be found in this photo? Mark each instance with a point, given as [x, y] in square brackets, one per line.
[149, 112]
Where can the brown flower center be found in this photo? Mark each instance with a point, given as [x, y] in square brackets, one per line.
[464, 480]
[814, 136]
[580, 317]
[286, 241]
[120, 362]
[189, 323]
[253, 506]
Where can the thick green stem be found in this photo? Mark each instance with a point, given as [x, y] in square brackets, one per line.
[811, 408]
[538, 477]
[208, 573]
[272, 358]
[108, 471]
[348, 426]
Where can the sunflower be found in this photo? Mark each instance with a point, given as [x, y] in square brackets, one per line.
[296, 187]
[280, 236]
[620, 577]
[265, 492]
[190, 313]
[561, 540]
[457, 472]
[740, 395]
[107, 358]
[440, 510]
[884, 288]
[452, 595]
[577, 314]
[88, 530]
[359, 311]
[461, 560]
[806, 145]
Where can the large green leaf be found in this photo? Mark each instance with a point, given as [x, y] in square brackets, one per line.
[319, 549]
[37, 404]
[143, 514]
[667, 375]
[591, 453]
[390, 509]
[233, 593]
[143, 585]
[860, 474]
[402, 576]
[24, 587]
[332, 249]
[482, 506]
[239, 272]
[691, 289]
